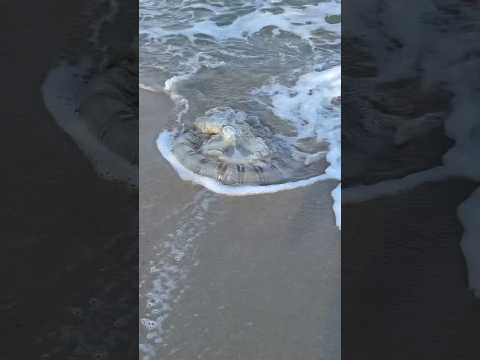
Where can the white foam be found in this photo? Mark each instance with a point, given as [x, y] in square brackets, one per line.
[172, 259]
[307, 106]
[361, 193]
[469, 215]
[193, 65]
[337, 205]
[449, 62]
[149, 88]
[301, 22]
[181, 103]
[309, 109]
[463, 125]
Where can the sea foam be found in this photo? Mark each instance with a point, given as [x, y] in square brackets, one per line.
[448, 62]
[306, 105]
[301, 22]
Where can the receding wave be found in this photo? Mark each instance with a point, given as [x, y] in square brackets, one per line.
[256, 87]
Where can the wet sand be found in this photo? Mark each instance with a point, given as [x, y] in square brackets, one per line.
[254, 277]
[67, 234]
[404, 280]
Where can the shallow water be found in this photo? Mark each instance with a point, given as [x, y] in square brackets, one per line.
[276, 61]
[88, 91]
[202, 292]
[419, 91]
[218, 281]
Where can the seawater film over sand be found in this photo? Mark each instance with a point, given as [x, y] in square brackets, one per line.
[240, 98]
[262, 78]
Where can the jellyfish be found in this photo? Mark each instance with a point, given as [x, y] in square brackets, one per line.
[224, 145]
[109, 109]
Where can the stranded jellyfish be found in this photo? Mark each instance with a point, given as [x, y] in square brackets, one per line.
[234, 149]
[109, 107]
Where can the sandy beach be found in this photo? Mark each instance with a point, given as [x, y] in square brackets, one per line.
[404, 291]
[66, 232]
[234, 277]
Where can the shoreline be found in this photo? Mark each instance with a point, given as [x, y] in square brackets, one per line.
[406, 276]
[229, 270]
[65, 226]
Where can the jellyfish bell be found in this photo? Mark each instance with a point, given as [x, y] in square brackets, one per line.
[224, 145]
[229, 134]
[108, 108]
[97, 107]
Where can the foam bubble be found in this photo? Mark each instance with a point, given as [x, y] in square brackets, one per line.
[337, 205]
[149, 324]
[308, 107]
